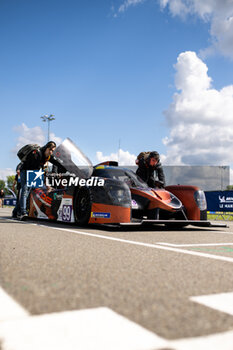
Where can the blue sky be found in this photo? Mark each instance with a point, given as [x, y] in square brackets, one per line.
[109, 75]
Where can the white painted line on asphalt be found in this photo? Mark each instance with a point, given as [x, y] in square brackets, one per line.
[84, 329]
[226, 232]
[90, 329]
[95, 329]
[220, 341]
[9, 308]
[147, 245]
[194, 245]
[222, 302]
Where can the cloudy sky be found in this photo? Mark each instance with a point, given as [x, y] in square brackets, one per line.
[120, 77]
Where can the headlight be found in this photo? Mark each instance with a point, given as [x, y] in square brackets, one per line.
[200, 199]
[175, 202]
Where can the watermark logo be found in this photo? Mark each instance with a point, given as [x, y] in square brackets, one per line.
[56, 181]
[35, 178]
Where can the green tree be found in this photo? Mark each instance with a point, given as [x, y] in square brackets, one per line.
[9, 181]
[2, 184]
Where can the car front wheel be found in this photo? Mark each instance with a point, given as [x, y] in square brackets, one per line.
[82, 206]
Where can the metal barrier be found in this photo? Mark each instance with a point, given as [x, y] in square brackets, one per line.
[10, 201]
[220, 214]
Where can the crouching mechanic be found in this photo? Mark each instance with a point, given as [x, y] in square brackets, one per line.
[149, 165]
[35, 160]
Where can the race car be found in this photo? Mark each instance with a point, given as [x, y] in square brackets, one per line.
[111, 195]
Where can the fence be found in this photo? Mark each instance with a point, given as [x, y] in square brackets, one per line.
[9, 201]
[220, 203]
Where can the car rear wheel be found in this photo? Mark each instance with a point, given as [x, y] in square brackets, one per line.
[82, 206]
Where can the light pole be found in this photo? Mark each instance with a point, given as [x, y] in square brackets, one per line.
[48, 118]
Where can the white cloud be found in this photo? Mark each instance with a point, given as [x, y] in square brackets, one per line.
[205, 9]
[176, 7]
[29, 135]
[128, 3]
[123, 157]
[32, 135]
[199, 118]
[55, 138]
[218, 12]
[6, 172]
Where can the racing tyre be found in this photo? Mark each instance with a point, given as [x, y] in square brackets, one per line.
[82, 206]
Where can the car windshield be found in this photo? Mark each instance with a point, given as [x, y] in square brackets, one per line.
[73, 159]
[125, 175]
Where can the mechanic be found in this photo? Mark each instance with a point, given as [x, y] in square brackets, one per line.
[17, 183]
[2, 195]
[35, 161]
[148, 165]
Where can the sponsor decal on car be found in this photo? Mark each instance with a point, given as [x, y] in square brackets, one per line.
[66, 213]
[43, 197]
[100, 215]
[134, 204]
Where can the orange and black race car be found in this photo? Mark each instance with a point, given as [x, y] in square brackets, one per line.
[108, 194]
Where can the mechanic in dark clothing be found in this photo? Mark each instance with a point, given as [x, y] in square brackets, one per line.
[17, 182]
[148, 165]
[35, 161]
[2, 194]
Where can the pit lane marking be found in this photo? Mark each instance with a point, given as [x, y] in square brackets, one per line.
[147, 245]
[219, 341]
[225, 232]
[222, 302]
[9, 308]
[90, 329]
[194, 244]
